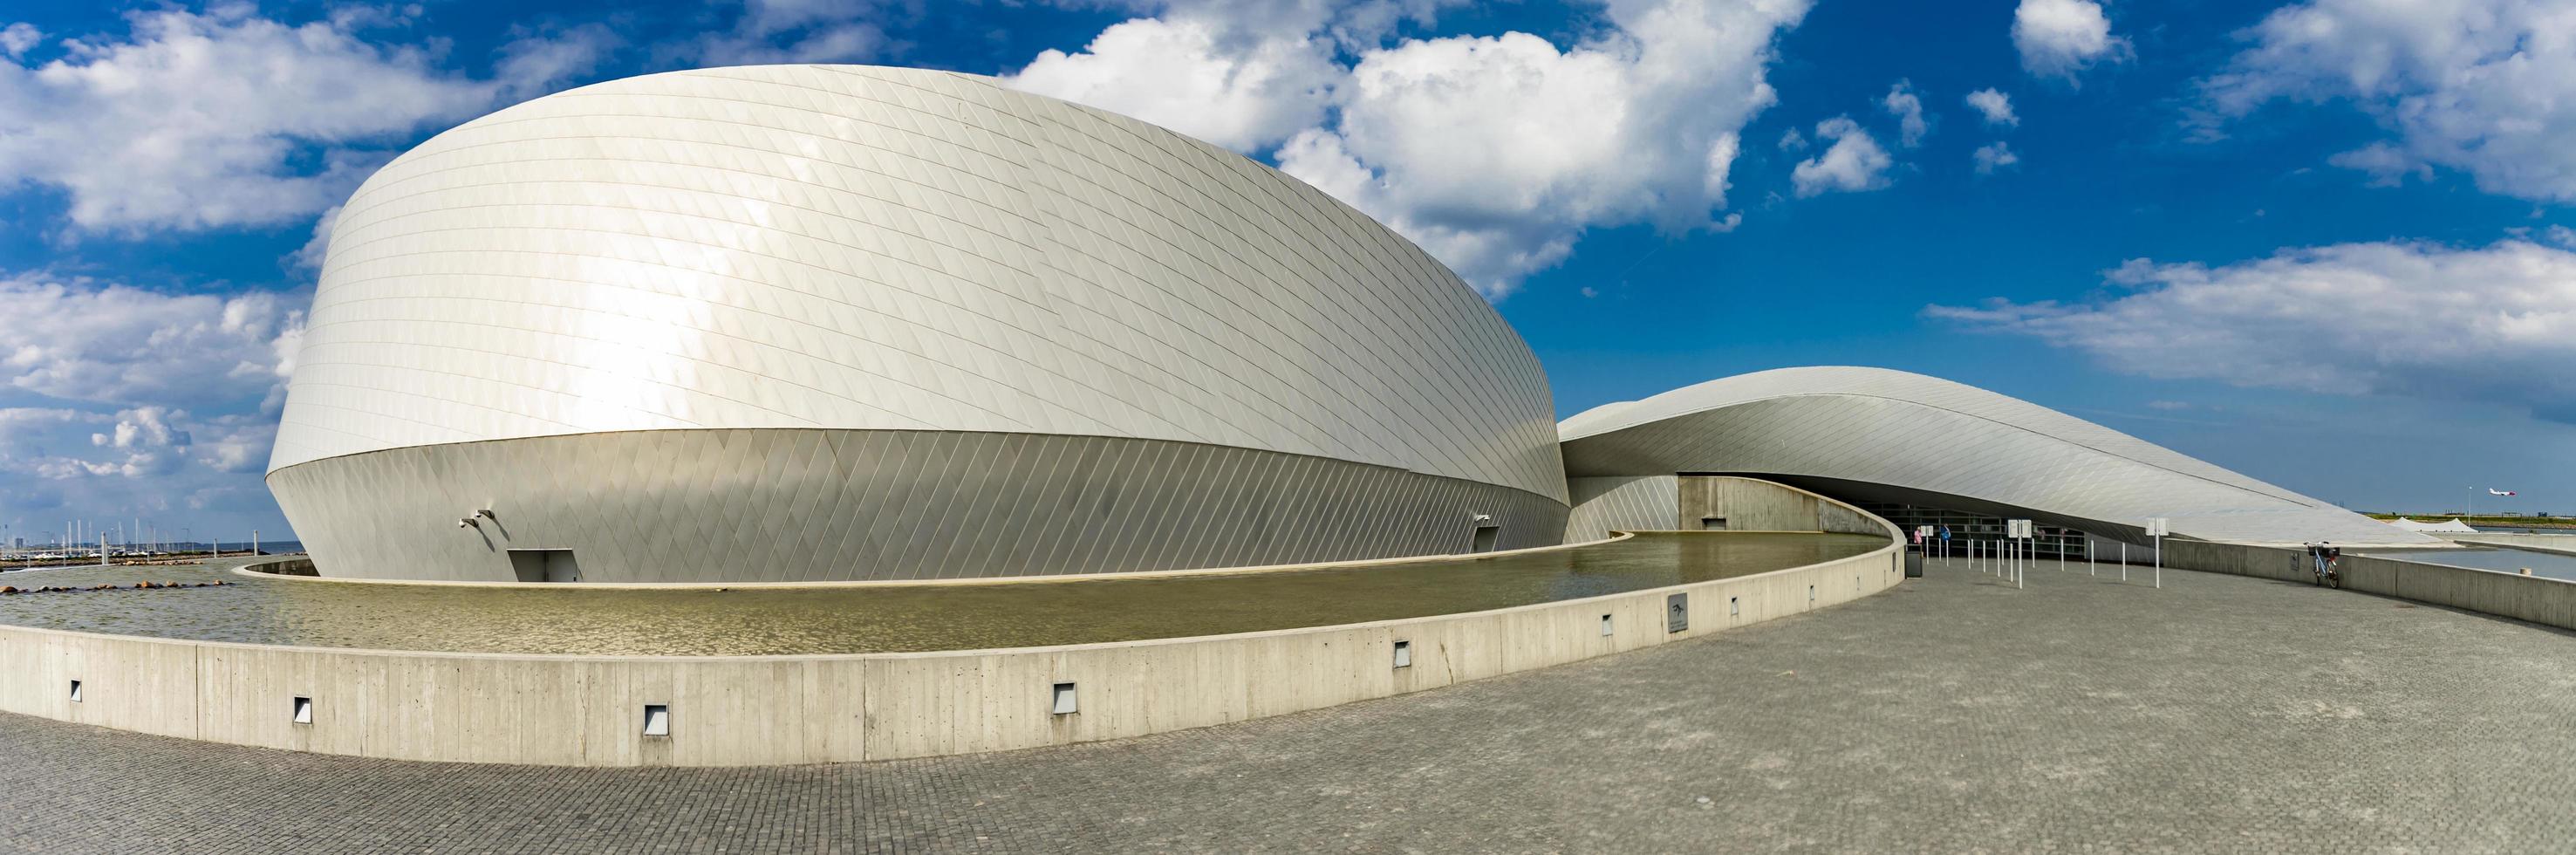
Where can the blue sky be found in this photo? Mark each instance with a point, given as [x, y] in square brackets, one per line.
[2324, 243]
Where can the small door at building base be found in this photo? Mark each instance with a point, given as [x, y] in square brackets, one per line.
[1486, 536]
[544, 565]
[1712, 523]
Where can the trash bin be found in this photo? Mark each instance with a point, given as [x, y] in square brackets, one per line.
[1913, 564]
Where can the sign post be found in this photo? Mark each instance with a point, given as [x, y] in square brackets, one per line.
[2156, 528]
[2020, 530]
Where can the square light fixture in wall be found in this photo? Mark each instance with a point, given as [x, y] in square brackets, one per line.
[1734, 606]
[1403, 654]
[76, 691]
[1065, 703]
[1605, 626]
[303, 710]
[657, 719]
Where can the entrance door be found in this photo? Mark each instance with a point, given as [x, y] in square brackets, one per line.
[544, 565]
[1486, 535]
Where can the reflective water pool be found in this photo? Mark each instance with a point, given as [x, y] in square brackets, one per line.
[759, 621]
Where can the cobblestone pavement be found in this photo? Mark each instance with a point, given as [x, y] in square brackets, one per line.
[2221, 714]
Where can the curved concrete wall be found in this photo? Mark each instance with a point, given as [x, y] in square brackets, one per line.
[1871, 434]
[2538, 599]
[857, 248]
[589, 711]
[828, 505]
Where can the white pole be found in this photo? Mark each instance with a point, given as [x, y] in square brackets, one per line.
[102, 550]
[254, 543]
[2124, 561]
[2088, 553]
[2160, 561]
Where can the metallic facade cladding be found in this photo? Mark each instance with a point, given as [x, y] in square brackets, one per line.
[1930, 441]
[858, 248]
[875, 248]
[810, 505]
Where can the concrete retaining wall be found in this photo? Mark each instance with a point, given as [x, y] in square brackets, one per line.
[2540, 600]
[729, 711]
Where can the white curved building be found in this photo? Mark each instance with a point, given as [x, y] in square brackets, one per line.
[811, 323]
[834, 322]
[1872, 435]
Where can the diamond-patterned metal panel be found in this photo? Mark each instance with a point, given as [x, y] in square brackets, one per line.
[1622, 503]
[868, 248]
[687, 506]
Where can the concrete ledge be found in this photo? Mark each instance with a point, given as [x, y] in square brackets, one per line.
[2537, 599]
[2554, 544]
[765, 710]
[301, 568]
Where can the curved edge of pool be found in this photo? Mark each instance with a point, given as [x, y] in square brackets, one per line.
[251, 570]
[591, 710]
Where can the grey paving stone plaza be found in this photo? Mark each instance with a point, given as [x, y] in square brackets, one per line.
[2220, 714]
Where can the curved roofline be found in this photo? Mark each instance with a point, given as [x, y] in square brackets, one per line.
[1740, 424]
[1632, 410]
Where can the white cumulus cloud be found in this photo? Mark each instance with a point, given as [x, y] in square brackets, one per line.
[1907, 107]
[1175, 73]
[116, 344]
[2487, 87]
[1994, 156]
[769, 32]
[1995, 106]
[2058, 38]
[1494, 153]
[2494, 323]
[19, 38]
[217, 119]
[1854, 163]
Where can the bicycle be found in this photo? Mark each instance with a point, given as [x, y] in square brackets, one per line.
[2326, 559]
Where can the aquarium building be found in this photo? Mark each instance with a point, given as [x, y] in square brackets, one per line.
[826, 323]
